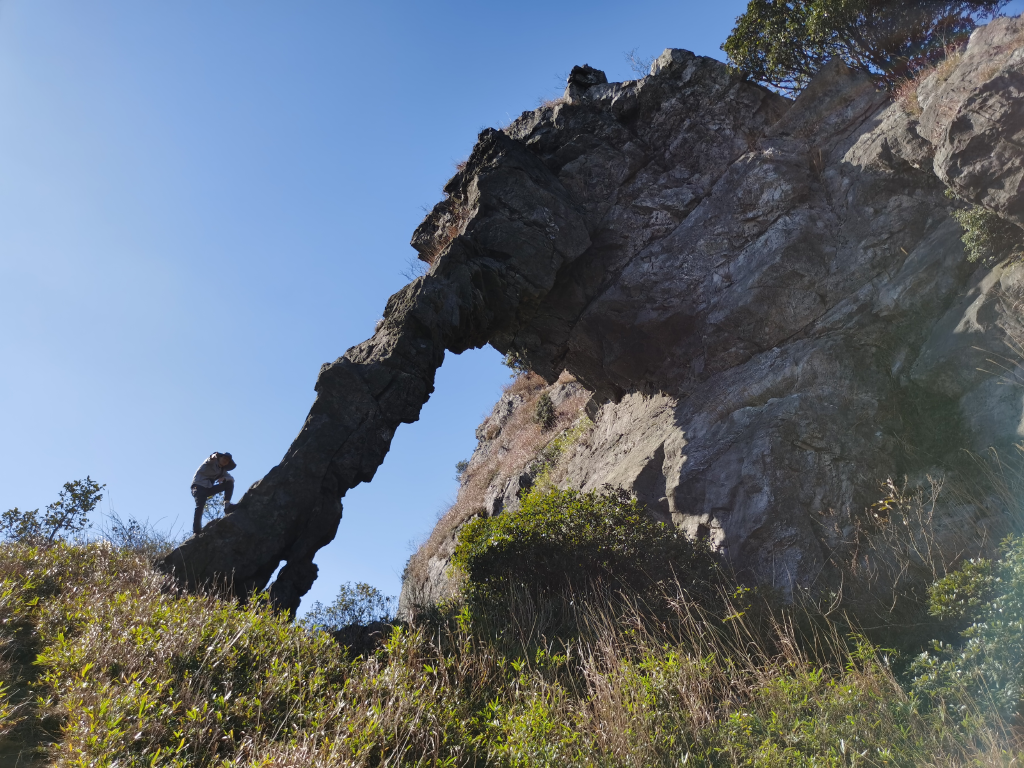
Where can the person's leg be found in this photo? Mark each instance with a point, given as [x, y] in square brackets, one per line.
[228, 486]
[200, 494]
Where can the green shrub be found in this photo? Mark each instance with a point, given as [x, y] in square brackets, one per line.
[987, 236]
[130, 672]
[67, 516]
[516, 362]
[357, 603]
[986, 668]
[544, 413]
[783, 44]
[564, 540]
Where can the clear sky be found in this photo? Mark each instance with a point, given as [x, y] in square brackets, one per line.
[203, 201]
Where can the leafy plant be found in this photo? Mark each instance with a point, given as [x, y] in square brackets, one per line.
[544, 412]
[460, 468]
[987, 667]
[987, 236]
[113, 666]
[558, 540]
[515, 362]
[67, 516]
[783, 43]
[357, 603]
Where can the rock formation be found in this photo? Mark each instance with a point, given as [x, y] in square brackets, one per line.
[768, 300]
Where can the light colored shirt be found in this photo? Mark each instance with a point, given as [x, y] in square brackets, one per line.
[210, 471]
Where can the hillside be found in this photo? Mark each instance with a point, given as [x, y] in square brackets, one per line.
[751, 496]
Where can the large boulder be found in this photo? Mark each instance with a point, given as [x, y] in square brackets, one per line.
[768, 300]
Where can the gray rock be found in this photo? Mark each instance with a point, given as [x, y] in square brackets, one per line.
[581, 79]
[519, 227]
[768, 300]
[773, 314]
[975, 119]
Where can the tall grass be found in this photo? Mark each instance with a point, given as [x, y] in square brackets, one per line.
[129, 672]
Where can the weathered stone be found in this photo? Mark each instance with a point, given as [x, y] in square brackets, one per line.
[776, 312]
[975, 119]
[582, 78]
[519, 227]
[768, 300]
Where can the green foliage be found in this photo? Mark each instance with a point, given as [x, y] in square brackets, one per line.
[544, 412]
[137, 675]
[783, 43]
[986, 668]
[129, 672]
[562, 540]
[516, 363]
[357, 603]
[962, 595]
[987, 236]
[568, 438]
[460, 469]
[67, 516]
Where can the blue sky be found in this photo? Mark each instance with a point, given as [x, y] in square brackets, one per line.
[203, 201]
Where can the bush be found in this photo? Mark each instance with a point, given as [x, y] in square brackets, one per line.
[986, 668]
[357, 603]
[544, 413]
[66, 517]
[138, 537]
[987, 236]
[515, 362]
[783, 43]
[568, 540]
[128, 672]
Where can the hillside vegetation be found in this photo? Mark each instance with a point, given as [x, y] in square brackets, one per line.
[106, 663]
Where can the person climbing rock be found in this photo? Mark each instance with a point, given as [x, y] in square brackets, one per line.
[212, 478]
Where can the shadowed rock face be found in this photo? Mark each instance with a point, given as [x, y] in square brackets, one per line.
[769, 299]
[517, 227]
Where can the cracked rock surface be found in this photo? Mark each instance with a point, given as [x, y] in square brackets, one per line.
[769, 301]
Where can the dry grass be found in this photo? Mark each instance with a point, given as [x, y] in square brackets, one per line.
[905, 92]
[516, 443]
[133, 674]
[543, 103]
[453, 224]
[691, 689]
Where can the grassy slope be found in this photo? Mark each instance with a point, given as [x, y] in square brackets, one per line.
[127, 672]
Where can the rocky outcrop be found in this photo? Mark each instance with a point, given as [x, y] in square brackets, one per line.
[771, 342]
[768, 301]
[975, 120]
[508, 227]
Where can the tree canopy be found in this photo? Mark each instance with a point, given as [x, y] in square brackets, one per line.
[782, 43]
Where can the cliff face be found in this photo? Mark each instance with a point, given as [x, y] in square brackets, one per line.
[775, 312]
[768, 301]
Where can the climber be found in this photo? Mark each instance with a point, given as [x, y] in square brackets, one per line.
[211, 478]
